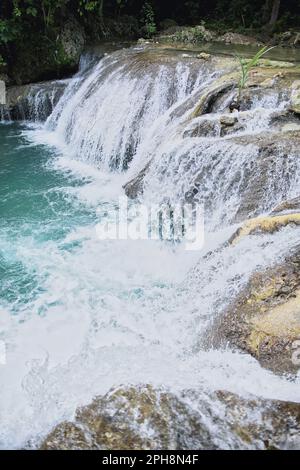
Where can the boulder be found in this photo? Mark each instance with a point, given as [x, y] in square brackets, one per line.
[269, 224]
[236, 38]
[134, 187]
[290, 205]
[191, 35]
[204, 56]
[203, 128]
[295, 97]
[142, 417]
[264, 320]
[228, 120]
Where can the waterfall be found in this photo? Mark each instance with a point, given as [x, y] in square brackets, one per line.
[33, 102]
[107, 114]
[81, 315]
[133, 109]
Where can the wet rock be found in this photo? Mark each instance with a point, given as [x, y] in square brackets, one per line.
[284, 121]
[281, 147]
[34, 101]
[203, 128]
[264, 320]
[141, 417]
[134, 187]
[204, 56]
[268, 224]
[228, 120]
[132, 419]
[2, 93]
[291, 127]
[213, 92]
[290, 205]
[295, 97]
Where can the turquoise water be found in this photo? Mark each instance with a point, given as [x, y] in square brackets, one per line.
[35, 207]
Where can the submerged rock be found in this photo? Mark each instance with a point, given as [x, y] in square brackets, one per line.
[134, 187]
[141, 417]
[290, 205]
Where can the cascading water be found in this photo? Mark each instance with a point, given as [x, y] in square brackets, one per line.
[80, 314]
[32, 102]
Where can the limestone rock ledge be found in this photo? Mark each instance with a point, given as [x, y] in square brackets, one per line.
[142, 417]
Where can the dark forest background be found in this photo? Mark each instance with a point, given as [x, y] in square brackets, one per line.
[30, 30]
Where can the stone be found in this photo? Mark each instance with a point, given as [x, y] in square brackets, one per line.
[218, 88]
[269, 224]
[134, 187]
[289, 205]
[204, 56]
[2, 93]
[295, 97]
[264, 320]
[72, 38]
[236, 38]
[33, 101]
[148, 418]
[228, 120]
[291, 127]
[203, 128]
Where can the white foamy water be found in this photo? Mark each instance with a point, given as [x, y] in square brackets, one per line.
[127, 312]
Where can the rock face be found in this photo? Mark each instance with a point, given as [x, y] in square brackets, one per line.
[290, 205]
[2, 93]
[281, 145]
[133, 418]
[211, 117]
[265, 318]
[34, 102]
[287, 39]
[72, 39]
[134, 187]
[266, 224]
[295, 97]
[47, 59]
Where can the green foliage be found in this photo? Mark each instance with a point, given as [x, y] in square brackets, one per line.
[148, 20]
[32, 25]
[9, 31]
[2, 62]
[247, 65]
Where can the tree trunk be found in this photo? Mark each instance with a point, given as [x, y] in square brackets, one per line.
[266, 12]
[101, 10]
[275, 12]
